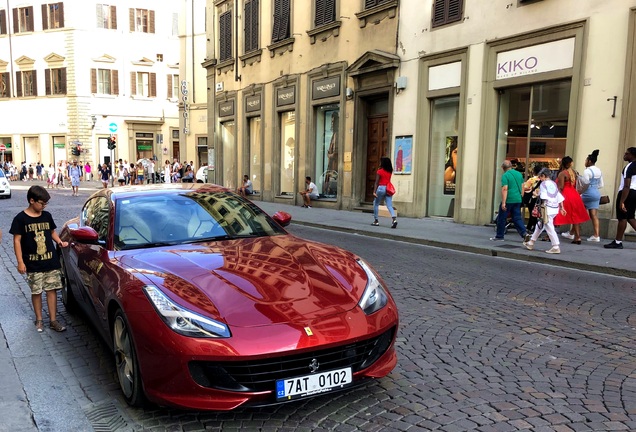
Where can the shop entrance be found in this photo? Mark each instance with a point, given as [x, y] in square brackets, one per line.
[532, 128]
[377, 147]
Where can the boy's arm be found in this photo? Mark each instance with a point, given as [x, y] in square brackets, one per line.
[17, 247]
[56, 238]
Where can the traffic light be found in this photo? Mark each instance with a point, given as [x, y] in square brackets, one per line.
[75, 151]
[112, 143]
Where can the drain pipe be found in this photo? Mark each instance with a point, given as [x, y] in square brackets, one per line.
[237, 77]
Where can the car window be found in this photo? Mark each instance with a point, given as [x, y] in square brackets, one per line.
[188, 217]
[95, 214]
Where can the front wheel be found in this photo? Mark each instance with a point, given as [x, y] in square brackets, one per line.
[126, 362]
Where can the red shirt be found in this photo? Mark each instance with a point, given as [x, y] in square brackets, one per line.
[385, 177]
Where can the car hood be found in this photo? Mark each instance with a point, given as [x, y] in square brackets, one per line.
[254, 282]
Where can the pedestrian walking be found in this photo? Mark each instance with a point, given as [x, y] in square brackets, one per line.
[511, 190]
[576, 213]
[625, 199]
[552, 202]
[75, 173]
[34, 240]
[104, 173]
[592, 177]
[87, 171]
[382, 179]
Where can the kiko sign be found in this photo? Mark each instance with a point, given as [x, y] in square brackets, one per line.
[536, 59]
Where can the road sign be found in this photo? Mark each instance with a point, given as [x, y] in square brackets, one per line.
[112, 127]
[3, 147]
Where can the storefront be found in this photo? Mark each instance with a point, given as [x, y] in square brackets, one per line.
[227, 167]
[532, 100]
[253, 140]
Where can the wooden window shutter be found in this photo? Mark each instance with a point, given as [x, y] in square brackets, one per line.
[16, 23]
[247, 23]
[131, 17]
[18, 82]
[320, 13]
[169, 86]
[133, 83]
[370, 3]
[47, 81]
[45, 17]
[454, 10]
[325, 12]
[114, 82]
[99, 15]
[151, 21]
[153, 85]
[225, 33]
[61, 9]
[7, 85]
[284, 24]
[277, 20]
[35, 84]
[255, 26]
[94, 81]
[30, 19]
[3, 22]
[113, 17]
[63, 78]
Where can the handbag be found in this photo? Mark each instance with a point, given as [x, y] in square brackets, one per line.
[536, 210]
[544, 214]
[605, 199]
[390, 189]
[581, 185]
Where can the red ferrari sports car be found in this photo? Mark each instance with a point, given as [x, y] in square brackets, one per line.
[209, 304]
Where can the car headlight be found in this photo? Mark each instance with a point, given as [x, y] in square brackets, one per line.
[183, 321]
[374, 297]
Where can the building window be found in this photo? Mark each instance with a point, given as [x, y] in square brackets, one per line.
[5, 85]
[55, 81]
[23, 19]
[3, 22]
[225, 36]
[228, 138]
[173, 86]
[325, 12]
[255, 128]
[27, 83]
[281, 20]
[52, 16]
[251, 25]
[327, 126]
[142, 20]
[287, 152]
[447, 11]
[106, 16]
[104, 81]
[368, 4]
[143, 84]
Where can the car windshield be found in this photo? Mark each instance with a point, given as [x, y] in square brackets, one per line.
[188, 217]
[1, 172]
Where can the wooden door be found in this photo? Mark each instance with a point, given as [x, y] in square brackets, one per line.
[377, 147]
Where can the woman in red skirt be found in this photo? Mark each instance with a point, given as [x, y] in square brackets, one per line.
[576, 213]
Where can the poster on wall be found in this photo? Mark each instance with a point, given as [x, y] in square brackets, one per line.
[403, 155]
[450, 165]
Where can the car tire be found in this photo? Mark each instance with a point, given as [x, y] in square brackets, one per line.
[68, 299]
[126, 364]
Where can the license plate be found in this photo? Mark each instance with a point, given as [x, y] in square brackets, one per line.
[313, 384]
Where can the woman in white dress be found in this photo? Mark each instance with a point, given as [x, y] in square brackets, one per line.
[167, 171]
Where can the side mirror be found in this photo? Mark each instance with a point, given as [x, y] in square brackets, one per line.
[283, 218]
[84, 235]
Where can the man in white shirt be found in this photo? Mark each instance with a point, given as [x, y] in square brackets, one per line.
[626, 199]
[310, 193]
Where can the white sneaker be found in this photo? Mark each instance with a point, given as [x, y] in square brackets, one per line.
[554, 250]
[529, 245]
[567, 235]
[594, 239]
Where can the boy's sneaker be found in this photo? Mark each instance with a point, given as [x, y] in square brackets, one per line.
[55, 325]
[554, 250]
[594, 239]
[614, 245]
[39, 326]
[567, 235]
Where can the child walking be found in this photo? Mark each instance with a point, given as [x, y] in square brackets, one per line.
[34, 239]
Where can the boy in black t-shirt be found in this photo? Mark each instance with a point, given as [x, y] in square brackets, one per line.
[34, 232]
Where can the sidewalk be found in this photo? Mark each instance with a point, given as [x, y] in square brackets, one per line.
[468, 238]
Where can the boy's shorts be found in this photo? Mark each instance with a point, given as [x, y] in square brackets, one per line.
[44, 281]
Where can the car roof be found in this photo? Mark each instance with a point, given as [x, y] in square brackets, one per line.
[124, 192]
